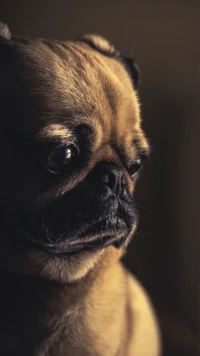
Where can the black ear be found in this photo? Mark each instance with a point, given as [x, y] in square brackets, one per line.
[103, 46]
[4, 32]
[99, 44]
[132, 68]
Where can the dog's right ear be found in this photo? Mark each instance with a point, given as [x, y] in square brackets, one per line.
[4, 32]
[103, 46]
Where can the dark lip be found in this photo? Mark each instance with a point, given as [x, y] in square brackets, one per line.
[52, 249]
[108, 236]
[115, 226]
[109, 231]
[67, 249]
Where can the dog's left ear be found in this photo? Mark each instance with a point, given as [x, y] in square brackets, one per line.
[133, 70]
[103, 46]
[4, 32]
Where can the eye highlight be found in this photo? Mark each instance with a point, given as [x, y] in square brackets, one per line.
[58, 157]
[135, 167]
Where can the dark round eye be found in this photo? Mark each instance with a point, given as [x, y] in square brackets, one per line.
[135, 167]
[58, 157]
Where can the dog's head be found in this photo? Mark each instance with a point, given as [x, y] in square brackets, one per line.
[71, 147]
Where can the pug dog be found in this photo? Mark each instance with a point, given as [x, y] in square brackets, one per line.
[71, 147]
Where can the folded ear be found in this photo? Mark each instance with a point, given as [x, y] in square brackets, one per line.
[133, 70]
[103, 46]
[4, 32]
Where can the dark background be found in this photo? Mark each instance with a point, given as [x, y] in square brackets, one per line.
[164, 37]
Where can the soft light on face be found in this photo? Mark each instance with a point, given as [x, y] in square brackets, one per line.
[80, 146]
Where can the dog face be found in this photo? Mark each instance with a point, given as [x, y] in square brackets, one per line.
[71, 148]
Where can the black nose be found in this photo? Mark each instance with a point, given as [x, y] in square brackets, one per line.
[111, 175]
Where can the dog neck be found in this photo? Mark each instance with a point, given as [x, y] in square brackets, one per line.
[35, 312]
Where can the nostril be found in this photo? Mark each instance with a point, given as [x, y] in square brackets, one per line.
[114, 181]
[123, 182]
[105, 178]
[109, 179]
[123, 186]
[110, 175]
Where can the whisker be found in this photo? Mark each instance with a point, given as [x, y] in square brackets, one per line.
[51, 238]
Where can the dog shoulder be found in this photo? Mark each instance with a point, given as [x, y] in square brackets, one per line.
[143, 325]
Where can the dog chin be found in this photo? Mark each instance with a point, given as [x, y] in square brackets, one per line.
[89, 237]
[57, 262]
[26, 260]
[62, 268]
[68, 257]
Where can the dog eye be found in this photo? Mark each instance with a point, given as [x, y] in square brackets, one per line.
[135, 167]
[58, 157]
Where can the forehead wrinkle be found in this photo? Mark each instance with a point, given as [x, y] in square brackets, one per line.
[124, 100]
[63, 77]
[90, 82]
[95, 72]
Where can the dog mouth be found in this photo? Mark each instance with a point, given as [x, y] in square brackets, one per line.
[94, 236]
[60, 249]
[70, 226]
